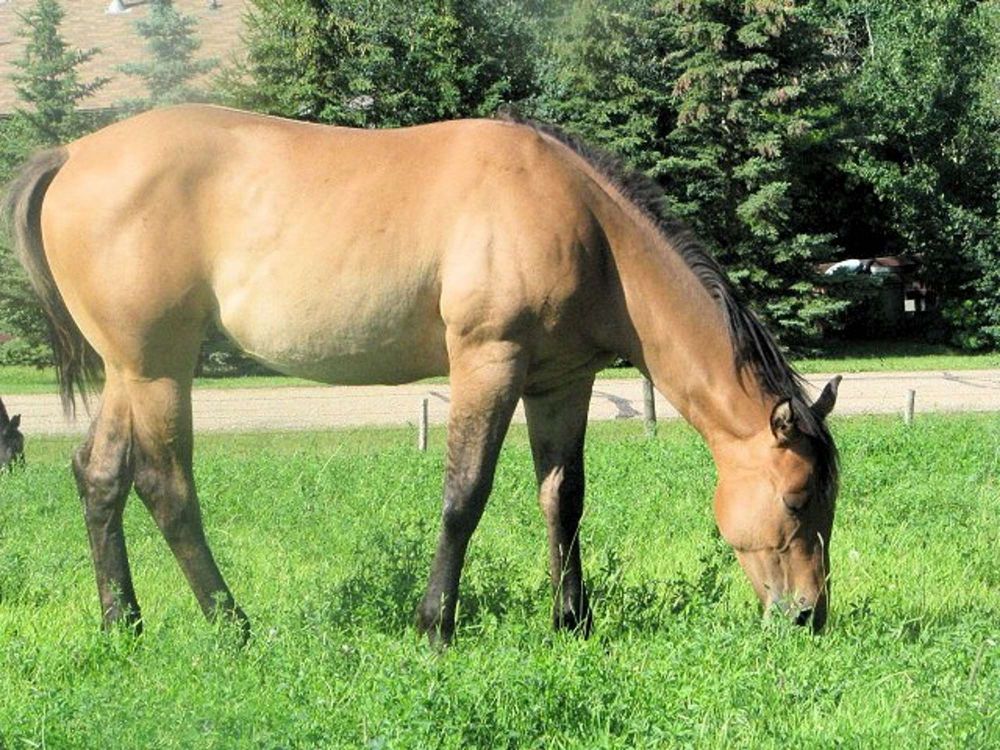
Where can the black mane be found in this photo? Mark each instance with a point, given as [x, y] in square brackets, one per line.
[754, 348]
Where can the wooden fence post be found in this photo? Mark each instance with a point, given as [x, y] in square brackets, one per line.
[649, 407]
[422, 426]
[911, 396]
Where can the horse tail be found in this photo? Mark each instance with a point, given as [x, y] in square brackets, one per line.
[78, 365]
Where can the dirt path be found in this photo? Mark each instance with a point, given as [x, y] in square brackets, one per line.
[322, 407]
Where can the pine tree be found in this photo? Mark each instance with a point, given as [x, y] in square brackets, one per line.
[380, 64]
[48, 83]
[603, 75]
[170, 70]
[755, 102]
[50, 92]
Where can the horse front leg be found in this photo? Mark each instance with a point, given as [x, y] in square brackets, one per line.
[557, 422]
[486, 381]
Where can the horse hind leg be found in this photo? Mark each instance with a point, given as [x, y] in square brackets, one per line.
[164, 480]
[103, 468]
[557, 423]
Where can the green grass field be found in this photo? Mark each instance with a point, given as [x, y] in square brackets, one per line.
[882, 356]
[23, 379]
[326, 540]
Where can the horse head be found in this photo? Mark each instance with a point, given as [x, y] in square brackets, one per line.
[11, 439]
[775, 503]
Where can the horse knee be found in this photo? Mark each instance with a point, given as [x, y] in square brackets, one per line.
[178, 521]
[457, 519]
[463, 507]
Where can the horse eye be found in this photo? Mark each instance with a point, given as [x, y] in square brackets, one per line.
[795, 501]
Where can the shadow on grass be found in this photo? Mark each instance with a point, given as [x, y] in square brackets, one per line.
[624, 604]
[388, 576]
[385, 583]
[390, 566]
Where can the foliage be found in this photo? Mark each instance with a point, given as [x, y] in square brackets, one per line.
[924, 103]
[47, 81]
[756, 111]
[382, 64]
[330, 565]
[51, 94]
[170, 70]
[22, 318]
[602, 76]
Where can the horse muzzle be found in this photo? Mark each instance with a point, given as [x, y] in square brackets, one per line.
[800, 610]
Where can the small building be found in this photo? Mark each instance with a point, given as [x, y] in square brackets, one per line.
[899, 298]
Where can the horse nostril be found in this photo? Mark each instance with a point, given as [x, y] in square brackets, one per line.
[803, 616]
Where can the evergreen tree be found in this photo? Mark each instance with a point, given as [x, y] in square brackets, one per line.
[755, 98]
[50, 91]
[48, 83]
[171, 69]
[603, 77]
[382, 64]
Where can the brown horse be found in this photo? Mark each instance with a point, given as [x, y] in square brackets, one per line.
[504, 254]
[11, 439]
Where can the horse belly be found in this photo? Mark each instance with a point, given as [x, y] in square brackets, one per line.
[343, 335]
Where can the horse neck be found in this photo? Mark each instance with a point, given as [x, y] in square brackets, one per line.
[676, 333]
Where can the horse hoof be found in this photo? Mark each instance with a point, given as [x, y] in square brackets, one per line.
[438, 635]
[568, 620]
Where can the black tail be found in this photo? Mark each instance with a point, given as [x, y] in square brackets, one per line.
[78, 366]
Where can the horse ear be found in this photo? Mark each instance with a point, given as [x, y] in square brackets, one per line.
[824, 404]
[15, 422]
[783, 421]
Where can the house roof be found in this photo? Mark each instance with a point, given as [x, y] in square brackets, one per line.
[896, 263]
[87, 24]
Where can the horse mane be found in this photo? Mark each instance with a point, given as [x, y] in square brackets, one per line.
[754, 347]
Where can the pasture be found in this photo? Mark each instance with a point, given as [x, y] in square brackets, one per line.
[326, 539]
[850, 357]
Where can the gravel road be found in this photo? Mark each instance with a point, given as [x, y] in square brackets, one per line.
[323, 407]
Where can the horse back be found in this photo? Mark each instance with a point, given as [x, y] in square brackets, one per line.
[333, 253]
